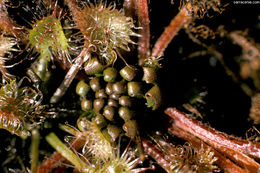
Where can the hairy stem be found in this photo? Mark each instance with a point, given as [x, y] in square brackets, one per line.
[182, 18]
[51, 163]
[156, 154]
[236, 149]
[144, 41]
[223, 162]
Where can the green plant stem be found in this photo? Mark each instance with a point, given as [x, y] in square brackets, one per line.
[35, 150]
[59, 146]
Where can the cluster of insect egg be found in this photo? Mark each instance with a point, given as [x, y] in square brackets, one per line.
[115, 94]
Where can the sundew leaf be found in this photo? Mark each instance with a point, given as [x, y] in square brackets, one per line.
[47, 35]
